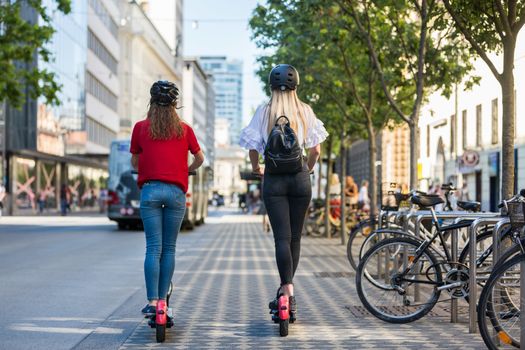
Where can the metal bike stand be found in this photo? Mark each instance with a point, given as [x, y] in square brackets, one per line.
[473, 285]
[522, 301]
[496, 232]
[443, 215]
[496, 252]
[454, 255]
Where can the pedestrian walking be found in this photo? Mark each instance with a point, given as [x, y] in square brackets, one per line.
[2, 197]
[64, 199]
[287, 189]
[42, 197]
[363, 199]
[159, 147]
[351, 192]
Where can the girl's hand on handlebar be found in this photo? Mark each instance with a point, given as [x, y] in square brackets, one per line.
[258, 171]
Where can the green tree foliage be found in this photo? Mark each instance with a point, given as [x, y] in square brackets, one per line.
[415, 50]
[339, 78]
[20, 42]
[493, 26]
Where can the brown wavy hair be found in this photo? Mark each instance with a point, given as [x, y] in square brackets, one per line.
[164, 122]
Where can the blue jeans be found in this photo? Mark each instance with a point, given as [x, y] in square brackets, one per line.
[162, 208]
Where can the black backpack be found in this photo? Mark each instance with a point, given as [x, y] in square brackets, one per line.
[283, 153]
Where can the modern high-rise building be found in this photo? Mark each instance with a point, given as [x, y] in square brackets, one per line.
[228, 77]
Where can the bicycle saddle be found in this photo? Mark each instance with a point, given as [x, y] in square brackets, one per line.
[427, 200]
[470, 206]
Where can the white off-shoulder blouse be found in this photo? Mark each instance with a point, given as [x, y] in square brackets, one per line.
[255, 135]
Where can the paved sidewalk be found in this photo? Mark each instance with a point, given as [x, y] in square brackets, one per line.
[221, 299]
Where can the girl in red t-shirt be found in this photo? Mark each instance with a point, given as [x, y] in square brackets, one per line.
[159, 147]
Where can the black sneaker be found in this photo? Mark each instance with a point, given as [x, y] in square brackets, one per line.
[149, 310]
[293, 309]
[274, 304]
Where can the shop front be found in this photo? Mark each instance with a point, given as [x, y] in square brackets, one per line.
[38, 181]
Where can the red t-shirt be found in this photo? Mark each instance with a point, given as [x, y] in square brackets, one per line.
[163, 160]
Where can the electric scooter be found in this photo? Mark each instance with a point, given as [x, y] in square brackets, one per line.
[163, 318]
[280, 311]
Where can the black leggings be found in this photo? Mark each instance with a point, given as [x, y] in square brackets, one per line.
[287, 198]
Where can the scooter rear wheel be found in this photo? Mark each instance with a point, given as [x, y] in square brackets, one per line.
[161, 333]
[283, 327]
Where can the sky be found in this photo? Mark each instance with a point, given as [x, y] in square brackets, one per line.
[223, 30]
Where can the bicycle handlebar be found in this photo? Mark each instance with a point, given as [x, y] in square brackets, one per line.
[520, 197]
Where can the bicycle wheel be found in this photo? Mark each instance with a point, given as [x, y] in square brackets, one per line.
[357, 236]
[484, 259]
[499, 305]
[391, 294]
[314, 225]
[377, 236]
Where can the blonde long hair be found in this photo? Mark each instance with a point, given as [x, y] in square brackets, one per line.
[287, 103]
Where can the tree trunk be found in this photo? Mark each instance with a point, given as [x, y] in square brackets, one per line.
[327, 187]
[372, 186]
[414, 150]
[508, 122]
[343, 184]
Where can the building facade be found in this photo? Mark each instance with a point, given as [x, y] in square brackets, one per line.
[228, 83]
[460, 136]
[210, 120]
[194, 99]
[145, 58]
[229, 162]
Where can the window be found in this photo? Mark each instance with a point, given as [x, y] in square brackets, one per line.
[102, 93]
[495, 118]
[464, 128]
[101, 52]
[104, 16]
[98, 133]
[478, 125]
[452, 133]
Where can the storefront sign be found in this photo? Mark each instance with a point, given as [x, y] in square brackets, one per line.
[468, 162]
[470, 158]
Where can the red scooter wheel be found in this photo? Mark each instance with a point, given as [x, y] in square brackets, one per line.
[161, 320]
[284, 315]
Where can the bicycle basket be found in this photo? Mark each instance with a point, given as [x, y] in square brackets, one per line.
[516, 213]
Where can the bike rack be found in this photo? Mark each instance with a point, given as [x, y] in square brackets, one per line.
[425, 215]
[473, 285]
[498, 229]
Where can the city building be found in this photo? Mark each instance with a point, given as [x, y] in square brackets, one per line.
[393, 165]
[228, 77]
[229, 162]
[39, 146]
[92, 133]
[194, 100]
[222, 132]
[460, 136]
[210, 120]
[145, 58]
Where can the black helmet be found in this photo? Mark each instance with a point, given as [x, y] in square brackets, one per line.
[284, 76]
[164, 93]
